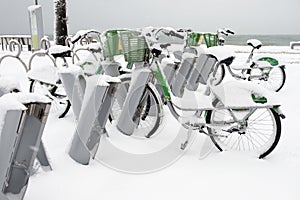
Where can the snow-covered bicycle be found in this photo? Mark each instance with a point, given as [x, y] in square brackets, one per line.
[265, 71]
[44, 78]
[249, 123]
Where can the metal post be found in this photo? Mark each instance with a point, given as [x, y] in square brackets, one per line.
[20, 140]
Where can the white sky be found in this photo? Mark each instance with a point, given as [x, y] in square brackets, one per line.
[243, 16]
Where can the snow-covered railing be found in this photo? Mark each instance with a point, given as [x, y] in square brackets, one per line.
[22, 39]
[294, 44]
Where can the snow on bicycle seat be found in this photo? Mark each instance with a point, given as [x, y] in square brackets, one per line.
[241, 94]
[222, 54]
[8, 85]
[192, 101]
[59, 51]
[254, 43]
[44, 73]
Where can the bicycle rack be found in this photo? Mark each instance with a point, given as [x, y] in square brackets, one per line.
[140, 78]
[15, 45]
[93, 116]
[20, 143]
[74, 84]
[203, 66]
[45, 44]
[181, 77]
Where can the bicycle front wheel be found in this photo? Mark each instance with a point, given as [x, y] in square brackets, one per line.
[260, 135]
[219, 76]
[150, 110]
[275, 78]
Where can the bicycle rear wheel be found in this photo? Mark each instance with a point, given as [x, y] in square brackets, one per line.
[275, 78]
[150, 110]
[261, 135]
[60, 104]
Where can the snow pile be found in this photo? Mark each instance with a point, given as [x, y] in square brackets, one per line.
[25, 98]
[109, 79]
[44, 73]
[7, 85]
[58, 49]
[73, 69]
[81, 33]
[238, 94]
[8, 102]
[220, 52]
[33, 7]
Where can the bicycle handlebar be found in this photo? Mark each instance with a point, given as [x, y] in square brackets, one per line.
[229, 31]
[169, 33]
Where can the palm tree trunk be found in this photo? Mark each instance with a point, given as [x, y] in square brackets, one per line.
[61, 29]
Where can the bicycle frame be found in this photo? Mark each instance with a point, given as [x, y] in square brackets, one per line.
[155, 68]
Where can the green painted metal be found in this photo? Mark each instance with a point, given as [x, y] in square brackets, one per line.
[99, 70]
[270, 60]
[195, 39]
[158, 75]
[112, 45]
[257, 99]
[85, 63]
[210, 39]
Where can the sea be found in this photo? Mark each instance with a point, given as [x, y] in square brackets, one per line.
[267, 40]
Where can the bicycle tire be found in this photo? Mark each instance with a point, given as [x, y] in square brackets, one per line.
[271, 77]
[146, 115]
[56, 99]
[270, 144]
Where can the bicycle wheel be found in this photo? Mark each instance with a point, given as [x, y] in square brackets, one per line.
[59, 102]
[219, 76]
[150, 115]
[275, 78]
[260, 135]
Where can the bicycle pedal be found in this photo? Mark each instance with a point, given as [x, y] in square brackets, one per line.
[183, 145]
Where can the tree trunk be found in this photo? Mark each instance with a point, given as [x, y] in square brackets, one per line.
[61, 29]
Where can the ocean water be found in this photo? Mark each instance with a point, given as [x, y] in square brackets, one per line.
[267, 40]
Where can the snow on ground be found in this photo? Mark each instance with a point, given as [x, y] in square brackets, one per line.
[226, 175]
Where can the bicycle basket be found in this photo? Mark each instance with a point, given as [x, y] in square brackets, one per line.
[134, 46]
[112, 45]
[210, 39]
[195, 39]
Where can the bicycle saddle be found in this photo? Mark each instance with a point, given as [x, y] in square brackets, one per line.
[58, 51]
[256, 44]
[164, 46]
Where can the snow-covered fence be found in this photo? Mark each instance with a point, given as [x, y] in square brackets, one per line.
[24, 40]
[294, 44]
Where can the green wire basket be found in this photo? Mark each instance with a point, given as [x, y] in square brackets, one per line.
[210, 39]
[112, 45]
[195, 39]
[134, 46]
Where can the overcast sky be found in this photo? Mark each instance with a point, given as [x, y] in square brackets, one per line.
[243, 16]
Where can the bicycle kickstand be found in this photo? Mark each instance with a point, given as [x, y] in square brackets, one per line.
[189, 133]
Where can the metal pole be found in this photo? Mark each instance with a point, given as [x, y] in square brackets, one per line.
[36, 2]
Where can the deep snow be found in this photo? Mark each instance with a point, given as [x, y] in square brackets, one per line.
[226, 175]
